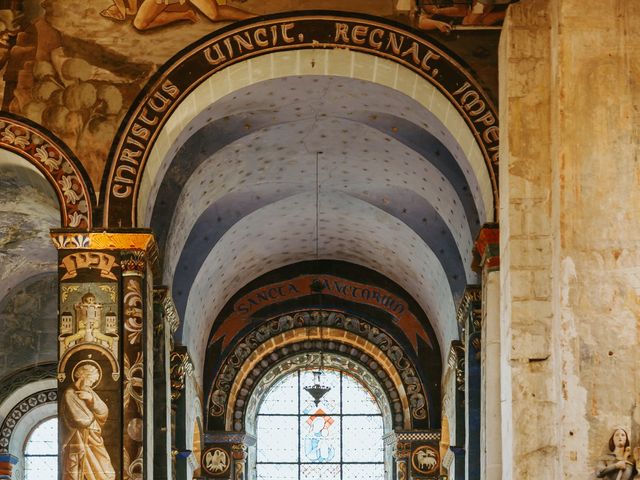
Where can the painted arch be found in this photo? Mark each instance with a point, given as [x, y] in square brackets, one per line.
[235, 45]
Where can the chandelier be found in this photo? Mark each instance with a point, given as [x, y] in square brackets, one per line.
[317, 390]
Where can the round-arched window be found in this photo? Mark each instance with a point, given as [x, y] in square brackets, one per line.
[337, 438]
[41, 451]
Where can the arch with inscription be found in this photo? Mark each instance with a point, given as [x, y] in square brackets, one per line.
[59, 166]
[186, 85]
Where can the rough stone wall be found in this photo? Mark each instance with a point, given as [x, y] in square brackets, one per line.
[570, 236]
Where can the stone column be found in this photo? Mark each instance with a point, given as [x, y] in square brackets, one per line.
[470, 319]
[569, 170]
[180, 366]
[7, 462]
[105, 353]
[452, 446]
[165, 324]
[487, 251]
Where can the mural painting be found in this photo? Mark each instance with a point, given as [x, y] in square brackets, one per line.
[74, 66]
[29, 324]
[89, 375]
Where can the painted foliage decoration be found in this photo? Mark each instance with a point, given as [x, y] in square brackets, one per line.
[57, 166]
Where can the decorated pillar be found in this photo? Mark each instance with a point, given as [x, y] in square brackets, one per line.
[105, 365]
[7, 462]
[225, 455]
[469, 317]
[487, 252]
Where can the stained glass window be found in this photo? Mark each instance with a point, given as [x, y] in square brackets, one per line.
[41, 452]
[340, 438]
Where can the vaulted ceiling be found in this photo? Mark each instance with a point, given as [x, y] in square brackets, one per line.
[299, 168]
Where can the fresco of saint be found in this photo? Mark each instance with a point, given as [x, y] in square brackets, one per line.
[84, 455]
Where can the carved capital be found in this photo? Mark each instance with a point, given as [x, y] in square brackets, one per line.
[469, 314]
[162, 297]
[456, 363]
[487, 248]
[238, 451]
[180, 366]
[133, 262]
[131, 240]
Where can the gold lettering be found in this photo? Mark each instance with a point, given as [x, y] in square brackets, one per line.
[491, 134]
[227, 43]
[393, 43]
[243, 42]
[414, 50]
[144, 118]
[496, 152]
[359, 34]
[487, 119]
[119, 174]
[462, 88]
[377, 44]
[130, 156]
[218, 59]
[135, 142]
[476, 101]
[140, 132]
[430, 55]
[170, 88]
[284, 29]
[274, 34]
[164, 102]
[121, 191]
[260, 36]
[342, 32]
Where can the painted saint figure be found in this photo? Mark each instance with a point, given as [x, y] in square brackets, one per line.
[84, 455]
[617, 465]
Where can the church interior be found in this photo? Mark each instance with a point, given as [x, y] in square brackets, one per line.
[321, 239]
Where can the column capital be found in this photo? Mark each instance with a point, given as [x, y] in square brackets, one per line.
[138, 239]
[180, 366]
[456, 362]
[469, 314]
[162, 297]
[487, 248]
[141, 240]
[233, 438]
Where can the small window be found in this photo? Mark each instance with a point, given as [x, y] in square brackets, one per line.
[41, 452]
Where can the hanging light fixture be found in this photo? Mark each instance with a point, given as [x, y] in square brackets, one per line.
[317, 390]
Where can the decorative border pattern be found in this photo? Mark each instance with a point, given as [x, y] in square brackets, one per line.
[262, 378]
[233, 366]
[277, 33]
[63, 171]
[24, 377]
[14, 416]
